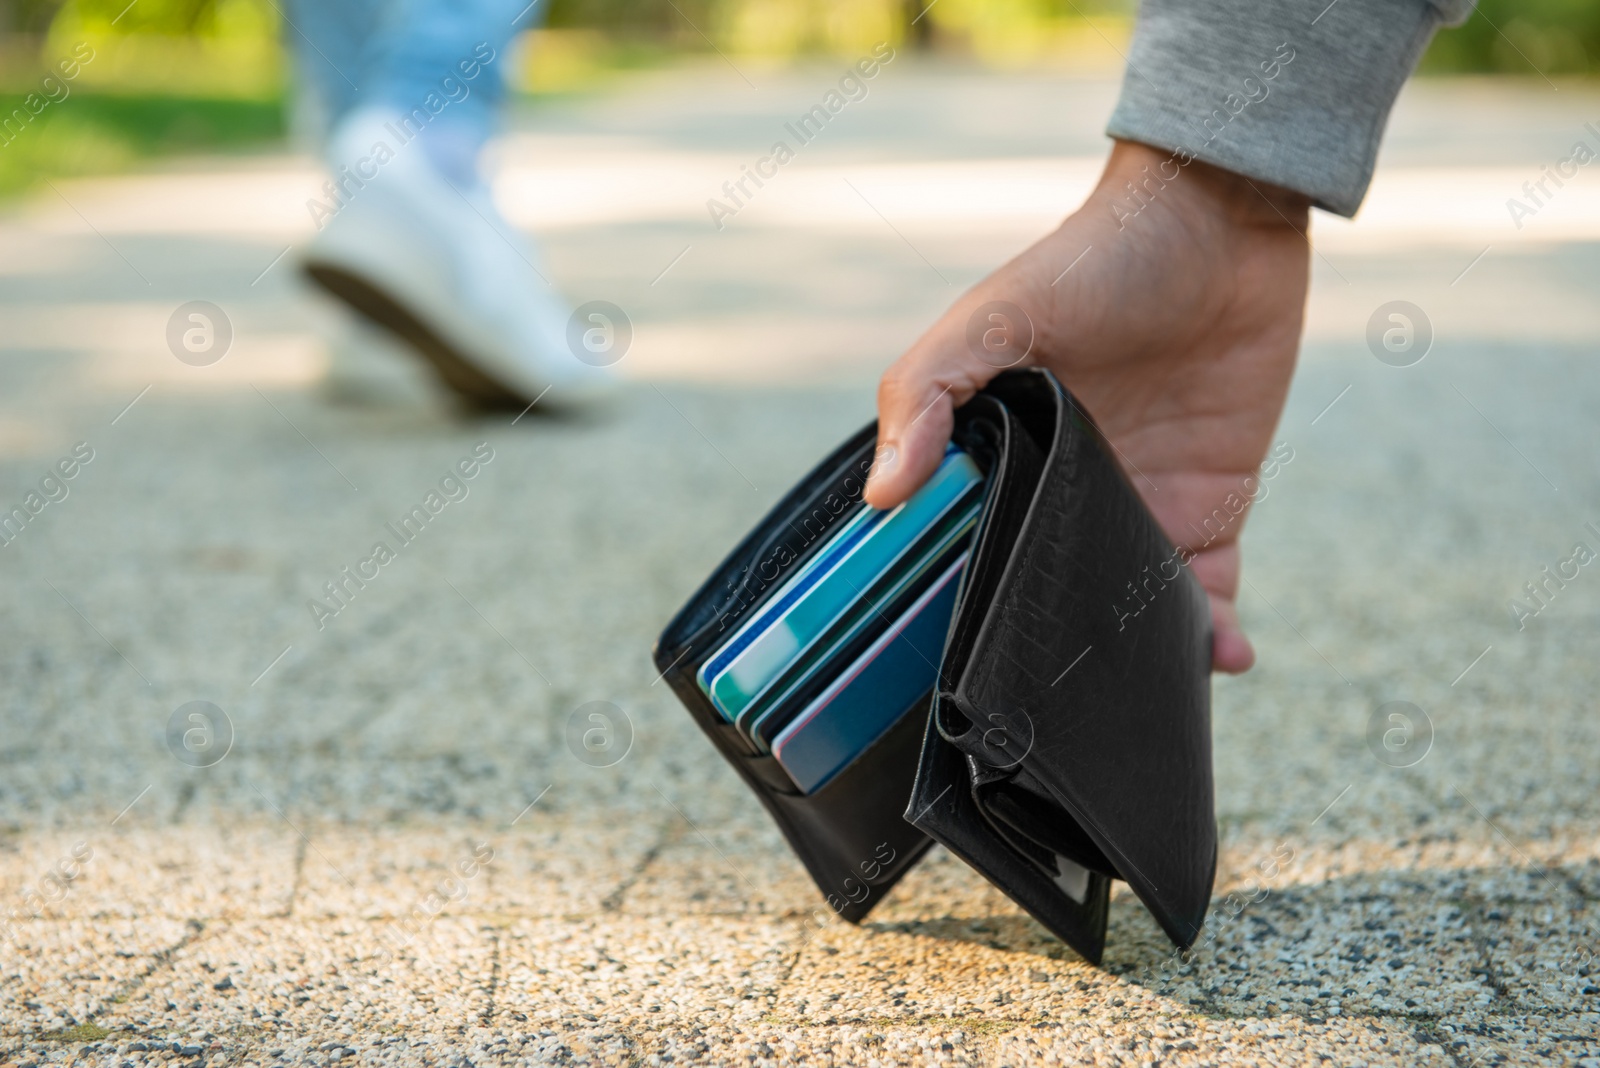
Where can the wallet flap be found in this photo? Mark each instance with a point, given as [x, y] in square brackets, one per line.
[1090, 669]
[943, 804]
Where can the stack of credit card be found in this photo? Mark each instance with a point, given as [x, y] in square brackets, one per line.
[844, 647]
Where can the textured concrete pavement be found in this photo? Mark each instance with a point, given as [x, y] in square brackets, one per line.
[405, 857]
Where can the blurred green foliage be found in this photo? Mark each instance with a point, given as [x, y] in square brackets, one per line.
[205, 75]
[173, 17]
[1528, 37]
[96, 133]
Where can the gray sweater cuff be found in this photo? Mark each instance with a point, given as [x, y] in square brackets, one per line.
[1292, 93]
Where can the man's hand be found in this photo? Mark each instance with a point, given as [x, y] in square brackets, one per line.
[1177, 329]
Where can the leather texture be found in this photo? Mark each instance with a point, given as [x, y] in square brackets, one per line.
[1072, 715]
[849, 834]
[1078, 691]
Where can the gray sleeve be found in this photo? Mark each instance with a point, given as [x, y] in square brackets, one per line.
[1292, 92]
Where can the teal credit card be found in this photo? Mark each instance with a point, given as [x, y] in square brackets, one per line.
[866, 547]
[874, 610]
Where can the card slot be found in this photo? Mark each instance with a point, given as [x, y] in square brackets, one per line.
[898, 670]
[874, 612]
[861, 554]
[785, 539]
[797, 534]
[729, 735]
[771, 773]
[852, 826]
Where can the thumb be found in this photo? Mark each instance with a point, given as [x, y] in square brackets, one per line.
[915, 418]
[919, 393]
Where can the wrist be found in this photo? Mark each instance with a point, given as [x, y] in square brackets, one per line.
[1138, 176]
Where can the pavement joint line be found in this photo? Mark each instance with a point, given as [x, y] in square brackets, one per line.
[309, 844]
[612, 902]
[702, 834]
[1472, 665]
[1540, 868]
[160, 959]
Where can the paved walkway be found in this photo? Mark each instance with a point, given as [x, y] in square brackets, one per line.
[400, 859]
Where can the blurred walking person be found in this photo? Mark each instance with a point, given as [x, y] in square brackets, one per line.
[403, 96]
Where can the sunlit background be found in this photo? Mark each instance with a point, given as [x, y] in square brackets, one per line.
[172, 76]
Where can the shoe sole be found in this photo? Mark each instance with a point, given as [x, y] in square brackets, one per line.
[453, 368]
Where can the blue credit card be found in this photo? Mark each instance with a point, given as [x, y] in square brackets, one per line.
[766, 718]
[873, 693]
[850, 533]
[870, 544]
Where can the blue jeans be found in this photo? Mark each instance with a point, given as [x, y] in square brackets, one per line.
[446, 57]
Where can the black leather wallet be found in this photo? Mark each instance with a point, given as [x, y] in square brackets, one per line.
[1068, 741]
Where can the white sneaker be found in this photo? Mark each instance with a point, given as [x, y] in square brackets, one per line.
[441, 269]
